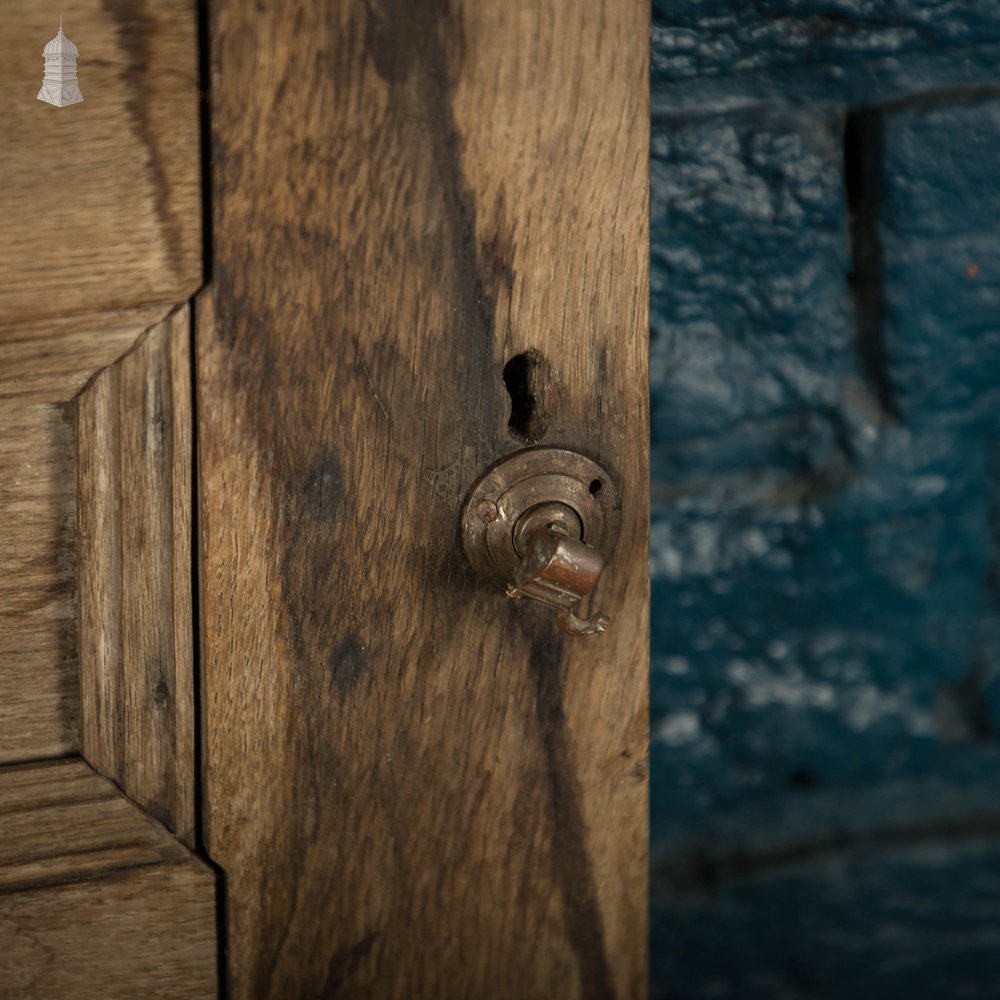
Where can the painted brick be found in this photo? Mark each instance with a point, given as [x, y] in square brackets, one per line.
[751, 315]
[825, 522]
[711, 53]
[938, 229]
[918, 920]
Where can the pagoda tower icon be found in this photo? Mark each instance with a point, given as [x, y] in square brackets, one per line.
[60, 86]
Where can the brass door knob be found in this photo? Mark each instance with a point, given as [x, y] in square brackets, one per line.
[543, 524]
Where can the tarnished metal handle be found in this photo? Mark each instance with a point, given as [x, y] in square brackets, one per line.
[543, 523]
[560, 571]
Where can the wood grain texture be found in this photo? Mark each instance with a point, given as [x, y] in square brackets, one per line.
[100, 201]
[51, 360]
[134, 442]
[39, 681]
[416, 788]
[43, 365]
[61, 821]
[96, 899]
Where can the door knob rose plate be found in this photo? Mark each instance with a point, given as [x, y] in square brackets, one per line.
[542, 524]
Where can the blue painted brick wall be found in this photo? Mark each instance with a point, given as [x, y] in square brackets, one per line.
[825, 209]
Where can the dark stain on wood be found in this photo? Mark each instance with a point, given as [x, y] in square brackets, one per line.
[344, 963]
[322, 490]
[571, 866]
[347, 663]
[155, 418]
[160, 813]
[397, 35]
[162, 698]
[135, 27]
[312, 574]
[418, 49]
[362, 292]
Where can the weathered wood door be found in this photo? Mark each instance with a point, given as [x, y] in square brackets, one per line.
[262, 729]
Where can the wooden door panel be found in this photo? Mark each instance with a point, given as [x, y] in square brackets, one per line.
[39, 684]
[96, 899]
[96, 657]
[48, 526]
[101, 238]
[137, 674]
[415, 787]
[51, 360]
[101, 201]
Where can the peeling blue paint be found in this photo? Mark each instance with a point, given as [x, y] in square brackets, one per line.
[825, 357]
[710, 54]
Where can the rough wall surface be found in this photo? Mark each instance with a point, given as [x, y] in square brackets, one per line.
[825, 216]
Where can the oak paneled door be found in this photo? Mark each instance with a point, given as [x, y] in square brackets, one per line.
[263, 731]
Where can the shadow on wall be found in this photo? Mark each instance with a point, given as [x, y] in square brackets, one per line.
[826, 500]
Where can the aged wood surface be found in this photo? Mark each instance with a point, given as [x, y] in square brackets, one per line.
[416, 788]
[39, 682]
[100, 201]
[96, 899]
[134, 550]
[101, 233]
[60, 820]
[51, 360]
[100, 209]
[43, 366]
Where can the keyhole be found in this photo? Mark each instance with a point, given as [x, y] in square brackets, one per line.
[527, 377]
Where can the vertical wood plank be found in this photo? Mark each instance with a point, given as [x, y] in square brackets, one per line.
[99, 571]
[137, 672]
[43, 367]
[415, 787]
